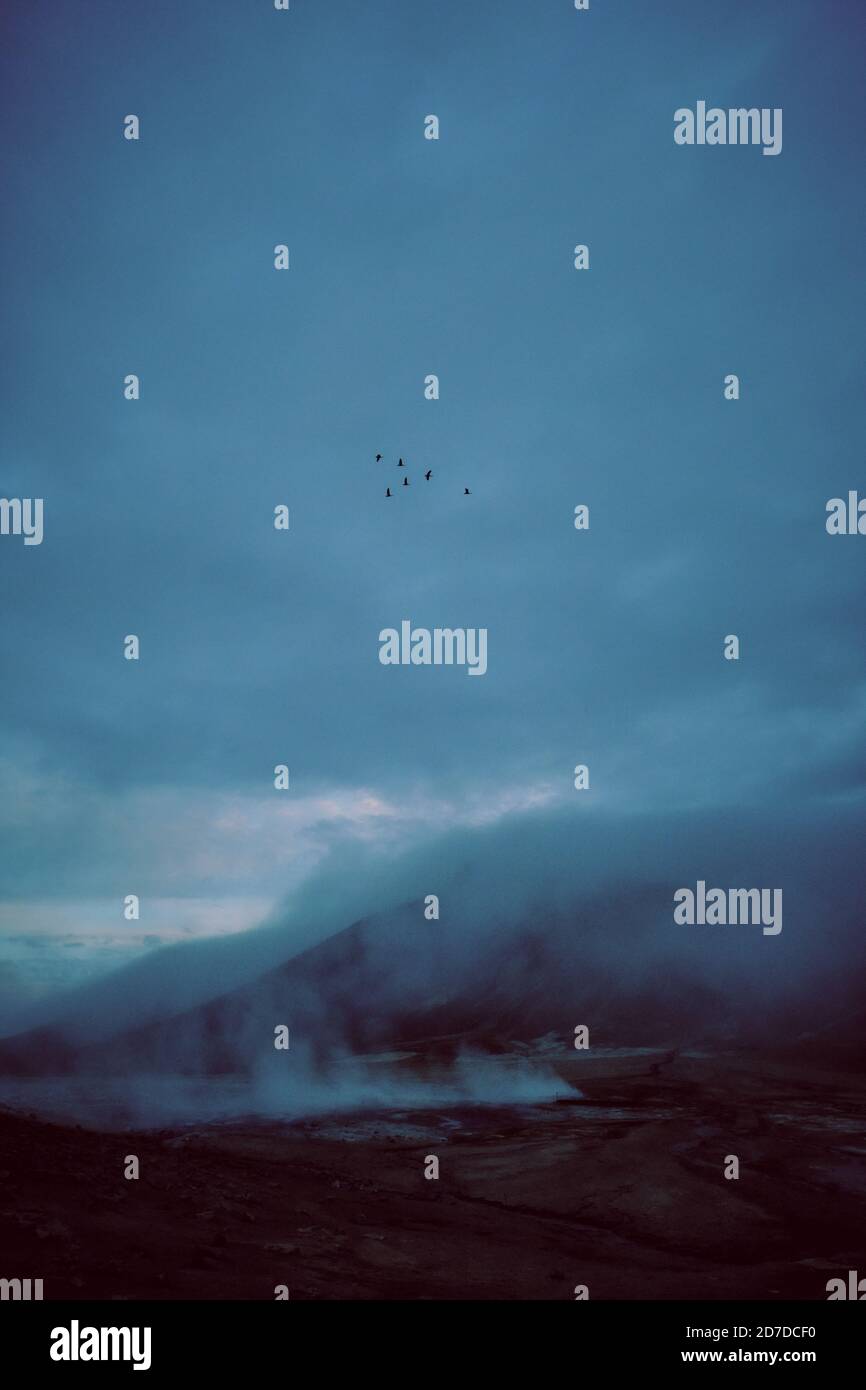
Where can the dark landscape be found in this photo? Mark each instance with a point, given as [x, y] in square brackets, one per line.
[583, 1069]
[618, 1186]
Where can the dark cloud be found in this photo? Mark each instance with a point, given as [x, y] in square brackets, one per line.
[411, 257]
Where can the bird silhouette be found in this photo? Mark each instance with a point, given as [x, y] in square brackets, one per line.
[428, 475]
[405, 482]
[387, 492]
[466, 492]
[378, 458]
[401, 464]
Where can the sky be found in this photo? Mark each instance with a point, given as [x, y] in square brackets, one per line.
[409, 257]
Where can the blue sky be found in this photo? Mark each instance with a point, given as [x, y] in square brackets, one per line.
[411, 257]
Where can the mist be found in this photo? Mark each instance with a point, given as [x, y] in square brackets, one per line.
[547, 921]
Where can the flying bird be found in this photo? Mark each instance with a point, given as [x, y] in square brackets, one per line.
[387, 492]
[378, 458]
[405, 482]
[466, 492]
[428, 475]
[401, 464]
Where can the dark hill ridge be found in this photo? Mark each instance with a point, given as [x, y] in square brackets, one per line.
[537, 933]
[397, 979]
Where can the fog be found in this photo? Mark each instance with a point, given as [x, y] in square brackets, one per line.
[301, 1091]
[547, 921]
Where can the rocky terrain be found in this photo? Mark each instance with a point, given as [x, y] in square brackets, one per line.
[618, 1185]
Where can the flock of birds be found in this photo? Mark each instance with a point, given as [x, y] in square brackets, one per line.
[427, 476]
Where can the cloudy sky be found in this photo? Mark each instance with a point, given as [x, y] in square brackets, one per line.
[411, 257]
